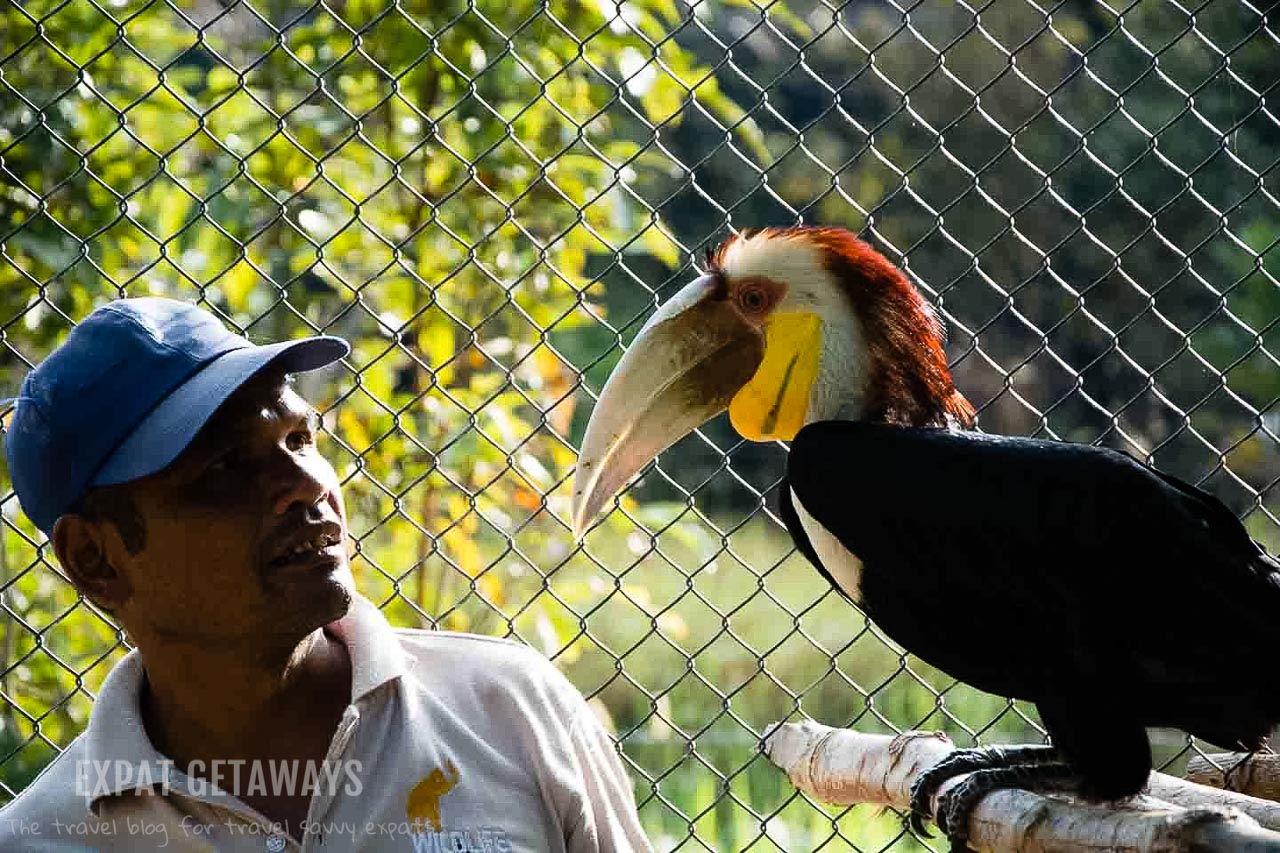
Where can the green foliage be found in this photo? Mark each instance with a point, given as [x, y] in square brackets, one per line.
[484, 199]
[411, 179]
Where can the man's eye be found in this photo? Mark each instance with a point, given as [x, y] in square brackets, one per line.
[300, 439]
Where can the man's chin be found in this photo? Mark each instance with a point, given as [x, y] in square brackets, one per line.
[316, 599]
[336, 602]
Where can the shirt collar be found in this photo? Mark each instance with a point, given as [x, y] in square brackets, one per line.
[376, 655]
[116, 736]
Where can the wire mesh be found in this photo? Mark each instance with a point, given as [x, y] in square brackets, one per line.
[488, 199]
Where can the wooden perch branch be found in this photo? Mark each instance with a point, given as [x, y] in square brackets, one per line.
[846, 767]
[1257, 775]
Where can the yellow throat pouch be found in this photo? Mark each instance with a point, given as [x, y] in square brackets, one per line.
[773, 404]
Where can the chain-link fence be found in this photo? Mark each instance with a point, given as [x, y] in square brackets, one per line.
[488, 198]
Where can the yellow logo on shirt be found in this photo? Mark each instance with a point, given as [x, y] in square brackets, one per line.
[423, 806]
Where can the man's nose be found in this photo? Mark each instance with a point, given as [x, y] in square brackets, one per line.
[302, 483]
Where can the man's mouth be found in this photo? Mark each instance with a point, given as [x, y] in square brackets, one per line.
[322, 546]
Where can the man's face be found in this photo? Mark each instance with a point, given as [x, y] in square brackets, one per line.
[246, 533]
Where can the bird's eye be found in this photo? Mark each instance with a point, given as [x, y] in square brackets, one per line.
[752, 299]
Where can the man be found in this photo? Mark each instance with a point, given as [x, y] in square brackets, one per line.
[267, 705]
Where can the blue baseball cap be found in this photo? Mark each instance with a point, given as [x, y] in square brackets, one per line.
[127, 392]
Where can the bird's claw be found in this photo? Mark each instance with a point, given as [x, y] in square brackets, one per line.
[926, 785]
[954, 808]
[922, 791]
[916, 820]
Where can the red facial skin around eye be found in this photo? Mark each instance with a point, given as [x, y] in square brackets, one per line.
[756, 296]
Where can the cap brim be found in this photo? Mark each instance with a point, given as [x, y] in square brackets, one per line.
[174, 423]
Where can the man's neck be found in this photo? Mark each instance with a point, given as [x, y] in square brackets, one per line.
[223, 702]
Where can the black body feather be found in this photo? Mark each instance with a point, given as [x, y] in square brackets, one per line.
[1112, 596]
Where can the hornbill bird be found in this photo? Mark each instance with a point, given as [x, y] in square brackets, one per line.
[1041, 570]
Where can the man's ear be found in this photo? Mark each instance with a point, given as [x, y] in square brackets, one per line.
[84, 550]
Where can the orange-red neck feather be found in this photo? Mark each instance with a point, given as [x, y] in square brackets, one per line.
[909, 381]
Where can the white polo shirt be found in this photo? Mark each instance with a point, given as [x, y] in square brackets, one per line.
[453, 743]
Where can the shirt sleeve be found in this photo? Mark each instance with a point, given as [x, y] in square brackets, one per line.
[607, 820]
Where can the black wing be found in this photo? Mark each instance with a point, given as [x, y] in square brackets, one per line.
[1017, 564]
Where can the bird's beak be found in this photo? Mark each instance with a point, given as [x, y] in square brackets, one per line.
[691, 358]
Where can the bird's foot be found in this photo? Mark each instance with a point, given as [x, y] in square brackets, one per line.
[968, 761]
[956, 805]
